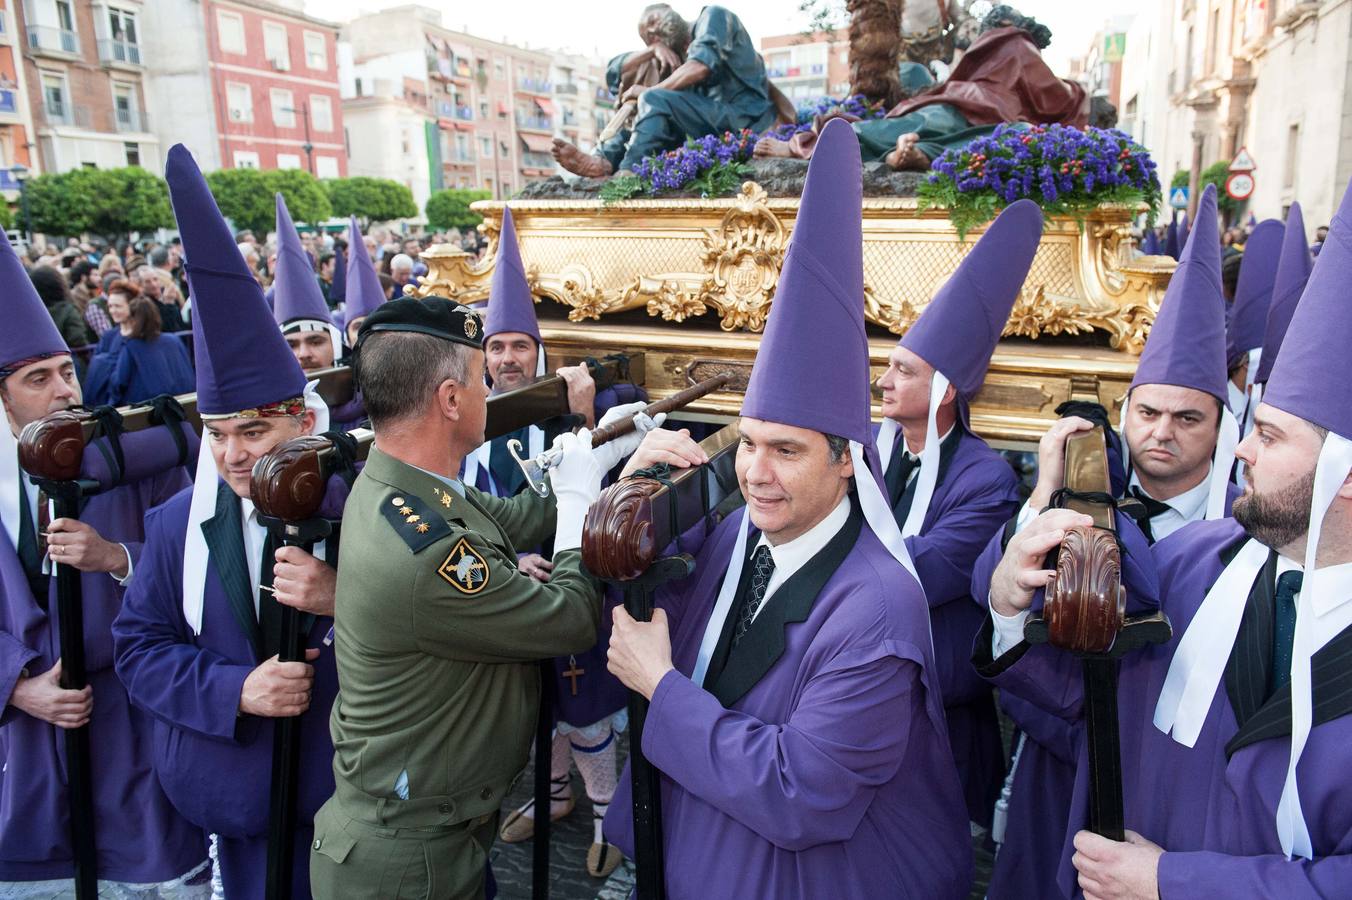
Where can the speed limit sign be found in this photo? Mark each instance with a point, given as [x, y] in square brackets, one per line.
[1239, 185]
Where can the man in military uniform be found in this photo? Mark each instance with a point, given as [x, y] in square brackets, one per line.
[438, 632]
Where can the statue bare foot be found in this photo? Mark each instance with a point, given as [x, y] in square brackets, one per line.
[574, 160]
[907, 156]
[768, 147]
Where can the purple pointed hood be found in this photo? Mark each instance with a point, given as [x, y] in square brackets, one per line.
[242, 360]
[1150, 243]
[812, 368]
[511, 306]
[364, 290]
[1253, 293]
[296, 292]
[1171, 245]
[960, 327]
[1183, 228]
[338, 287]
[1293, 270]
[1311, 374]
[29, 330]
[1187, 342]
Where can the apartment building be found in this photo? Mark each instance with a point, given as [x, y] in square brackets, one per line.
[16, 122]
[807, 67]
[248, 84]
[84, 70]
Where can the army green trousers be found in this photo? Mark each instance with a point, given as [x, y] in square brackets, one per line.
[401, 859]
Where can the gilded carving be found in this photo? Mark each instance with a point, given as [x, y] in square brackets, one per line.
[743, 255]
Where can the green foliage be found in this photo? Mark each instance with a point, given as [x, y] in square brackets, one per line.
[1182, 178]
[450, 208]
[7, 216]
[107, 202]
[371, 199]
[245, 197]
[1216, 174]
[305, 196]
[971, 210]
[621, 187]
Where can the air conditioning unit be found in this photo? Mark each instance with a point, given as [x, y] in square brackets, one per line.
[280, 65]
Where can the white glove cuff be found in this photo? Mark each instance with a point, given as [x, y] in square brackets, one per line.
[571, 513]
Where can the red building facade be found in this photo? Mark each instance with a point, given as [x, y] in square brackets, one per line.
[274, 85]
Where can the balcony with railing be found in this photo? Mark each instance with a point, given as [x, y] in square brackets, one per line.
[64, 113]
[567, 87]
[9, 101]
[447, 109]
[541, 161]
[604, 97]
[459, 158]
[7, 180]
[534, 123]
[131, 121]
[534, 86]
[120, 53]
[50, 39]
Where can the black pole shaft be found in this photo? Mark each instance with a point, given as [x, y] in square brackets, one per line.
[544, 757]
[1106, 816]
[80, 788]
[649, 866]
[285, 768]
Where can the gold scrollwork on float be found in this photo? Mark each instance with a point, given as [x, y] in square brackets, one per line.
[744, 255]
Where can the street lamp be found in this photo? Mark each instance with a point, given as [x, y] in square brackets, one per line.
[20, 173]
[308, 147]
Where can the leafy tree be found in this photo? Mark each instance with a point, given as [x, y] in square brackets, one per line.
[107, 202]
[245, 197]
[450, 208]
[1216, 173]
[372, 199]
[6, 216]
[305, 195]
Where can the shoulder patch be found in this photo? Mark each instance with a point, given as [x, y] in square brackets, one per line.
[465, 568]
[415, 521]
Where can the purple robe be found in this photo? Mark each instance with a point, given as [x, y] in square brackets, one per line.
[976, 494]
[1028, 862]
[140, 837]
[831, 774]
[1218, 824]
[215, 764]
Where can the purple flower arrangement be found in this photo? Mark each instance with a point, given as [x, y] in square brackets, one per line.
[716, 163]
[1065, 170]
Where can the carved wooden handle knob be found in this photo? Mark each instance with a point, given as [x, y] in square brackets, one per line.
[289, 482]
[1085, 604]
[53, 446]
[617, 537]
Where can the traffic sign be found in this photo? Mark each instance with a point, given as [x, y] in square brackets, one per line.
[1178, 198]
[1239, 185]
[1242, 162]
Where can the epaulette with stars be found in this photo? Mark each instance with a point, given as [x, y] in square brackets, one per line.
[418, 524]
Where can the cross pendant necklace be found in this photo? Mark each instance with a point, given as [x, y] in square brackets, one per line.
[573, 673]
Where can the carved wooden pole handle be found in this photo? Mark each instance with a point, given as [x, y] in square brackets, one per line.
[289, 482]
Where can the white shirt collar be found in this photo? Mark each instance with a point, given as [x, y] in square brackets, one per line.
[791, 556]
[1189, 506]
[255, 534]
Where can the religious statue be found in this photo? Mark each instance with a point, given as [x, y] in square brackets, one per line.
[1001, 78]
[714, 82]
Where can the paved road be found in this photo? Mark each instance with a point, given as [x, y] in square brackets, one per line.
[572, 836]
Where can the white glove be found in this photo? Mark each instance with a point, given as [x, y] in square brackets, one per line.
[576, 481]
[610, 455]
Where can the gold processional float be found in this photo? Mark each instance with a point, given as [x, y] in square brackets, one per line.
[690, 282]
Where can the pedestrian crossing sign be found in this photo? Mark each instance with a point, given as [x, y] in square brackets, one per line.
[1178, 198]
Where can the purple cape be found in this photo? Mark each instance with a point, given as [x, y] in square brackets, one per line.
[824, 777]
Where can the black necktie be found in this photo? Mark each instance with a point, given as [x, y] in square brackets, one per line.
[32, 532]
[269, 610]
[762, 567]
[1153, 508]
[1284, 628]
[899, 470]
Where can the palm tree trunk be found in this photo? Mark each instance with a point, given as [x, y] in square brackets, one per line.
[875, 45]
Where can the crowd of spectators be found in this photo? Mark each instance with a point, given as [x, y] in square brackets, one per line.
[125, 311]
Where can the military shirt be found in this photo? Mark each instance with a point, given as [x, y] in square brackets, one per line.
[437, 637]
